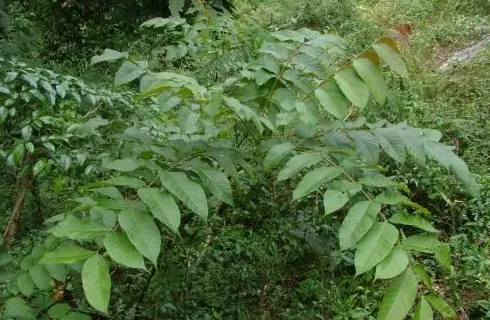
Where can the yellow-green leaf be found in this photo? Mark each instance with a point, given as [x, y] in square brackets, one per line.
[399, 297]
[296, 164]
[352, 87]
[121, 250]
[391, 57]
[162, 206]
[394, 264]
[423, 311]
[187, 191]
[372, 76]
[375, 246]
[142, 232]
[314, 180]
[96, 282]
[332, 99]
[357, 223]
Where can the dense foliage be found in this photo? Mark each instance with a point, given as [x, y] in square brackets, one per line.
[232, 172]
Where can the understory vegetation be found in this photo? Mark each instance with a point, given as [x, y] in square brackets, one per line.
[258, 159]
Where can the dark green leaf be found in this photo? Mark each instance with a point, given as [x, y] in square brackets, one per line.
[127, 73]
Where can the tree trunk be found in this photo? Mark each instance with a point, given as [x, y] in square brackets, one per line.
[13, 225]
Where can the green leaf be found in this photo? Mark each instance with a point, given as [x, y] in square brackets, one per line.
[96, 282]
[162, 206]
[78, 229]
[391, 198]
[391, 57]
[372, 76]
[17, 308]
[414, 142]
[412, 220]
[123, 181]
[58, 310]
[377, 180]
[289, 35]
[75, 316]
[441, 306]
[277, 154]
[26, 133]
[41, 277]
[394, 264]
[314, 180]
[391, 143]
[443, 255]
[124, 165]
[446, 157]
[350, 188]
[27, 263]
[107, 217]
[121, 250]
[332, 100]
[423, 311]
[334, 200]
[26, 285]
[176, 6]
[419, 270]
[127, 73]
[187, 191]
[352, 87]
[57, 271]
[297, 163]
[142, 232]
[217, 182]
[66, 253]
[422, 242]
[366, 144]
[375, 246]
[357, 223]
[108, 55]
[111, 192]
[399, 297]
